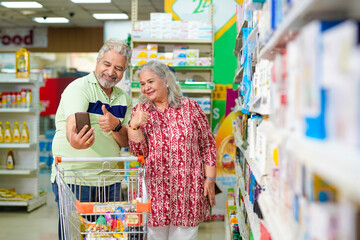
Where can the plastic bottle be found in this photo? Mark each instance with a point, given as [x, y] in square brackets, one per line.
[22, 63]
[23, 97]
[1, 133]
[18, 99]
[28, 98]
[7, 133]
[24, 134]
[4, 100]
[13, 99]
[16, 133]
[10, 160]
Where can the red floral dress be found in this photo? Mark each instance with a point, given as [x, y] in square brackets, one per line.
[178, 142]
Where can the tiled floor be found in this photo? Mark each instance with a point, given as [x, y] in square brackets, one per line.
[41, 224]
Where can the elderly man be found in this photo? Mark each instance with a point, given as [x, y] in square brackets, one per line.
[109, 109]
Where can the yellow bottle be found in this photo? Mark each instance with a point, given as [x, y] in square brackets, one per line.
[10, 160]
[7, 133]
[22, 63]
[2, 138]
[24, 133]
[16, 133]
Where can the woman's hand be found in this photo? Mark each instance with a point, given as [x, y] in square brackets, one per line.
[140, 117]
[209, 191]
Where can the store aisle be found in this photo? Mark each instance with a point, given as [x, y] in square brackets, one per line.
[41, 224]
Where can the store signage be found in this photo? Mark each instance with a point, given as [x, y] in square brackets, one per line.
[23, 37]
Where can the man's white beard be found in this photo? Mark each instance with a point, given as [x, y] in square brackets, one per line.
[105, 83]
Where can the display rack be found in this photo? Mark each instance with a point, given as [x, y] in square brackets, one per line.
[198, 74]
[24, 177]
[320, 156]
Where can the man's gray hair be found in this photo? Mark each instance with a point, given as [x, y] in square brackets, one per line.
[163, 72]
[119, 47]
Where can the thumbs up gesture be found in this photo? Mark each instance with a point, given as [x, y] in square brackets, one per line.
[107, 122]
[140, 117]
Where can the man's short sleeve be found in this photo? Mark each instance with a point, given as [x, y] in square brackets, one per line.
[128, 111]
[74, 99]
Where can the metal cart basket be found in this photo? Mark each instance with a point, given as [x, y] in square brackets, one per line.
[102, 203]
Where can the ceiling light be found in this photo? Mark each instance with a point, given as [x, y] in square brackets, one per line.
[91, 1]
[105, 16]
[21, 4]
[51, 20]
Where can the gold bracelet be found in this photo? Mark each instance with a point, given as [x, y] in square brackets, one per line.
[129, 125]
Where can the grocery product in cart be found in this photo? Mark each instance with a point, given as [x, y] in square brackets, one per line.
[118, 207]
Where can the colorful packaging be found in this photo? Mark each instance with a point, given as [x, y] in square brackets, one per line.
[22, 63]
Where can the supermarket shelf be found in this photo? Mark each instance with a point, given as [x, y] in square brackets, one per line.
[161, 40]
[252, 37]
[238, 41]
[336, 162]
[16, 171]
[301, 13]
[253, 165]
[238, 75]
[227, 227]
[280, 228]
[17, 145]
[252, 217]
[185, 67]
[18, 110]
[184, 90]
[240, 216]
[10, 78]
[31, 204]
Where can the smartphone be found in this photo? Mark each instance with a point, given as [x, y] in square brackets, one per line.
[82, 119]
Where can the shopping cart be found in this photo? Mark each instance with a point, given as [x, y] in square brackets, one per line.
[115, 205]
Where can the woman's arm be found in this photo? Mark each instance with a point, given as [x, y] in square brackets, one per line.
[137, 142]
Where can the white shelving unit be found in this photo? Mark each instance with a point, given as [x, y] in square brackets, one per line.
[200, 74]
[335, 162]
[24, 177]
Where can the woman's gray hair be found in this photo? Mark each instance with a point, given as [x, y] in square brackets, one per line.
[119, 47]
[163, 72]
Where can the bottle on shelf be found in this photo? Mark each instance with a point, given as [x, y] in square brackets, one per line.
[13, 99]
[2, 138]
[28, 98]
[24, 134]
[16, 133]
[4, 100]
[23, 97]
[10, 160]
[8, 100]
[7, 133]
[22, 63]
[18, 99]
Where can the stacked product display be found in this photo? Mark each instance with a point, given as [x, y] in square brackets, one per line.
[298, 138]
[19, 131]
[188, 47]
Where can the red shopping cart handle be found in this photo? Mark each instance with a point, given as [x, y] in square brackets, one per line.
[98, 159]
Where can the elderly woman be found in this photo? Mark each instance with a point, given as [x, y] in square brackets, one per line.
[173, 134]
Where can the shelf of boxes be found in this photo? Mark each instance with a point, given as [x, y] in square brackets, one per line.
[24, 176]
[240, 216]
[300, 14]
[162, 40]
[333, 160]
[326, 153]
[253, 165]
[279, 228]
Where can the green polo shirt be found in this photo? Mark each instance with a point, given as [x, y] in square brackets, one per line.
[86, 95]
